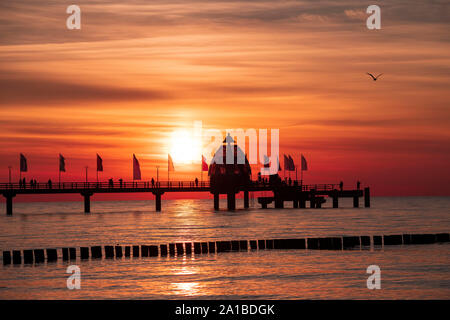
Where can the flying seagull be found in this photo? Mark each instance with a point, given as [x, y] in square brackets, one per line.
[374, 78]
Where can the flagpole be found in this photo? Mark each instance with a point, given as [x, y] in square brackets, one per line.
[301, 178]
[157, 173]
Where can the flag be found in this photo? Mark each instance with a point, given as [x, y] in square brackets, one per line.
[291, 164]
[204, 164]
[23, 163]
[170, 166]
[287, 164]
[266, 162]
[62, 163]
[136, 169]
[304, 164]
[99, 163]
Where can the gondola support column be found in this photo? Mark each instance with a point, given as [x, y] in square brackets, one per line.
[246, 199]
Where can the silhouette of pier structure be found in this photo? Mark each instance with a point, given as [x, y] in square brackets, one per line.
[316, 195]
[229, 173]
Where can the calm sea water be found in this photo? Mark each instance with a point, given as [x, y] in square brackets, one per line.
[407, 272]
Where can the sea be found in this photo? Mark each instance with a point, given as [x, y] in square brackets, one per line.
[406, 271]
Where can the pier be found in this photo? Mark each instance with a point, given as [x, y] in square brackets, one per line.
[296, 193]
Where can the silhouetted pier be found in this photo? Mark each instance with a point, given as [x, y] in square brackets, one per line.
[316, 195]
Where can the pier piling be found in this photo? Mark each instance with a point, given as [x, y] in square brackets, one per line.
[423, 238]
[127, 251]
[367, 197]
[157, 201]
[17, 258]
[144, 251]
[96, 252]
[393, 239]
[246, 199]
[442, 237]
[377, 240]
[188, 247]
[109, 251]
[204, 247]
[6, 257]
[335, 201]
[197, 248]
[52, 255]
[231, 201]
[65, 254]
[262, 244]
[27, 256]
[365, 241]
[87, 201]
[9, 203]
[118, 250]
[39, 256]
[135, 251]
[356, 202]
[180, 249]
[313, 243]
[84, 253]
[216, 201]
[72, 253]
[350, 242]
[163, 249]
[212, 247]
[172, 249]
[153, 251]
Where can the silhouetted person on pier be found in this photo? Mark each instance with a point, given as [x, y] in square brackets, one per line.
[49, 183]
[290, 181]
[153, 183]
[358, 185]
[196, 182]
[24, 183]
[341, 185]
[121, 182]
[111, 183]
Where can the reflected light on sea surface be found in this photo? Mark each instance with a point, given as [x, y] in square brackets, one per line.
[187, 288]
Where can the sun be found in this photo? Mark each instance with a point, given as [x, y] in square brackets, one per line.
[184, 147]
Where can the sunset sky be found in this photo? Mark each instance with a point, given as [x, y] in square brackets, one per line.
[139, 70]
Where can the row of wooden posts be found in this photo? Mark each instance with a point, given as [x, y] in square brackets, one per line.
[179, 249]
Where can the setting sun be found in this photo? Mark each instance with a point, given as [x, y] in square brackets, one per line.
[184, 148]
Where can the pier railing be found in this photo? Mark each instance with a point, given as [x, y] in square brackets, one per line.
[149, 185]
[104, 185]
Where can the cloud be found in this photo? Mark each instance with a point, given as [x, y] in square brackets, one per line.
[31, 90]
[356, 14]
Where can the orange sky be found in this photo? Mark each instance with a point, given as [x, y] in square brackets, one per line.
[138, 70]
